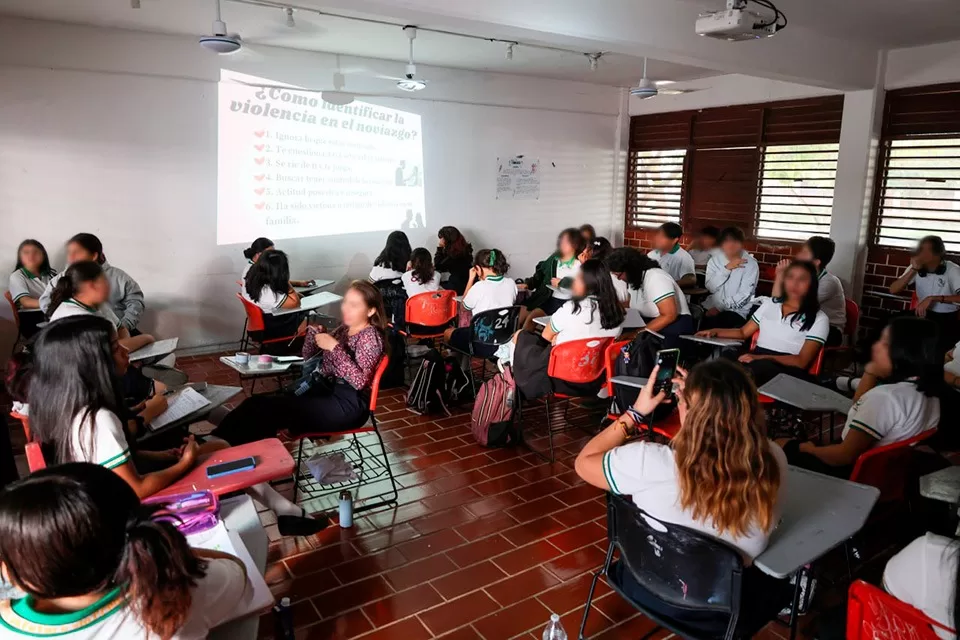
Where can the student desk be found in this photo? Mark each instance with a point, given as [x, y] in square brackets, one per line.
[630, 381]
[273, 463]
[316, 286]
[819, 513]
[806, 396]
[632, 321]
[251, 370]
[155, 350]
[310, 303]
[216, 394]
[943, 486]
[889, 296]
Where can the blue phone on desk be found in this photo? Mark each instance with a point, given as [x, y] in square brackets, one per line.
[234, 466]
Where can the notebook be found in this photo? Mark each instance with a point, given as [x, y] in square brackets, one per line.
[180, 405]
[155, 349]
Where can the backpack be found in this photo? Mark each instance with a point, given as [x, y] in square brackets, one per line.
[637, 359]
[393, 377]
[492, 417]
[394, 300]
[438, 383]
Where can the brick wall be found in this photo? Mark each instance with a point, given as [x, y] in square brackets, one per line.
[883, 266]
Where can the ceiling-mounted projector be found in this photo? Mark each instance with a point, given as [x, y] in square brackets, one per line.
[737, 23]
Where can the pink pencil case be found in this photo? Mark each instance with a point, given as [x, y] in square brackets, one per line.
[192, 512]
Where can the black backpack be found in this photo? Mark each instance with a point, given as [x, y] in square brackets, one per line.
[438, 383]
[637, 359]
[394, 300]
[393, 377]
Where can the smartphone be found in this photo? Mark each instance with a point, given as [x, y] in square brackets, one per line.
[234, 466]
[667, 360]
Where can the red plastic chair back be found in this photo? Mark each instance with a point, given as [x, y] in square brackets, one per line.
[432, 308]
[610, 360]
[578, 361]
[375, 385]
[25, 421]
[254, 314]
[853, 318]
[914, 301]
[16, 311]
[888, 467]
[35, 461]
[874, 613]
[814, 368]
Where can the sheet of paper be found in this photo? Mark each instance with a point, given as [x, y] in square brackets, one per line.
[180, 405]
[158, 348]
[257, 597]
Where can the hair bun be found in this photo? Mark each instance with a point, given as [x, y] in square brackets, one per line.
[248, 253]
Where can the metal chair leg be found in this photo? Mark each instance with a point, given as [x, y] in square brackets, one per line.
[296, 472]
[593, 586]
[553, 457]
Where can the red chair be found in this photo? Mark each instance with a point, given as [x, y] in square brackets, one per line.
[888, 467]
[610, 360]
[431, 310]
[914, 301]
[255, 323]
[354, 452]
[874, 613]
[574, 362]
[16, 320]
[24, 420]
[35, 461]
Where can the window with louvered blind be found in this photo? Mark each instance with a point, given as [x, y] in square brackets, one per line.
[796, 191]
[918, 190]
[655, 188]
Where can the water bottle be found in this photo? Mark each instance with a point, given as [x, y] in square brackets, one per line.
[283, 620]
[346, 510]
[554, 630]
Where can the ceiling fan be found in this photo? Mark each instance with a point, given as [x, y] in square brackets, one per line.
[648, 88]
[409, 81]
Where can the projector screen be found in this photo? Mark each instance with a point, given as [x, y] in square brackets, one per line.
[291, 165]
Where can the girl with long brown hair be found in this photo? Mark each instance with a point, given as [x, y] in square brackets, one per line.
[95, 564]
[720, 475]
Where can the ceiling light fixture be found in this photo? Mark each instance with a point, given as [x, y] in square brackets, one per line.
[290, 21]
[594, 60]
[510, 47]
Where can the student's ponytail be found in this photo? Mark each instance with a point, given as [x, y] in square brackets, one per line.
[160, 571]
[75, 275]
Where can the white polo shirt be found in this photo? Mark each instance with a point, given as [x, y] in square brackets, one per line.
[494, 292]
[568, 269]
[22, 283]
[269, 299]
[379, 273]
[945, 284]
[622, 289]
[572, 325]
[657, 286]
[923, 574]
[72, 307]
[99, 439]
[678, 262]
[832, 301]
[647, 472]
[246, 269]
[893, 412]
[701, 257]
[413, 287]
[784, 335]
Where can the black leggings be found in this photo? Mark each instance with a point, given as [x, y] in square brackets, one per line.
[682, 326]
[342, 409]
[723, 320]
[763, 371]
[812, 463]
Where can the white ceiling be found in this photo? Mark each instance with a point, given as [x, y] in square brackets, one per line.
[314, 32]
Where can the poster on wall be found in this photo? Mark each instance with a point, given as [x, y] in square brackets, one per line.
[518, 178]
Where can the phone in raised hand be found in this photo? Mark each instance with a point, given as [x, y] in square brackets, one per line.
[667, 360]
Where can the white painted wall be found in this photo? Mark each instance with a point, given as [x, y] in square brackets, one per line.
[114, 132]
[918, 66]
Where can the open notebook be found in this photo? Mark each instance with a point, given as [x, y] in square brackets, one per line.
[180, 405]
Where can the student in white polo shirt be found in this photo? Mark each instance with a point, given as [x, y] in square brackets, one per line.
[592, 312]
[550, 284]
[421, 277]
[792, 330]
[28, 282]
[895, 400]
[267, 285]
[252, 253]
[704, 244]
[937, 282]
[673, 258]
[83, 290]
[392, 261]
[732, 276]
[487, 288]
[819, 250]
[655, 294]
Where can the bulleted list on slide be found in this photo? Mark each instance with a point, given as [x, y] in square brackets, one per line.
[291, 165]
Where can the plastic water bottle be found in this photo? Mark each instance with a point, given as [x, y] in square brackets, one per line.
[283, 620]
[346, 510]
[554, 630]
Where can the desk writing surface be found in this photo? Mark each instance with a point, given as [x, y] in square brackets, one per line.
[216, 394]
[633, 320]
[251, 369]
[156, 349]
[804, 395]
[629, 381]
[317, 284]
[818, 513]
[716, 342]
[309, 303]
[942, 485]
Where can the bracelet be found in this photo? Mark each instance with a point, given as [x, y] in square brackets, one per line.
[637, 417]
[629, 431]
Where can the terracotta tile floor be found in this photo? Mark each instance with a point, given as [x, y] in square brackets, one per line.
[484, 543]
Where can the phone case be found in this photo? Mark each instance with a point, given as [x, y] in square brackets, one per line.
[251, 465]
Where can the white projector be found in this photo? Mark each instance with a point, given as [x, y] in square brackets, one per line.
[735, 25]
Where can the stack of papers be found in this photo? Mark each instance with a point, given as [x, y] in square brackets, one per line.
[155, 349]
[180, 405]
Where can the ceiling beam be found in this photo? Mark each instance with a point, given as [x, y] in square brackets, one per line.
[660, 29]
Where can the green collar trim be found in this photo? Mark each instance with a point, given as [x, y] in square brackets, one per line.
[27, 273]
[494, 278]
[23, 617]
[568, 263]
[822, 273]
[81, 305]
[676, 248]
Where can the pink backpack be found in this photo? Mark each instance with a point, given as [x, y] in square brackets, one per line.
[492, 418]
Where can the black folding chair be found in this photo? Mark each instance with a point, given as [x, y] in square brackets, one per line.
[489, 330]
[674, 566]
